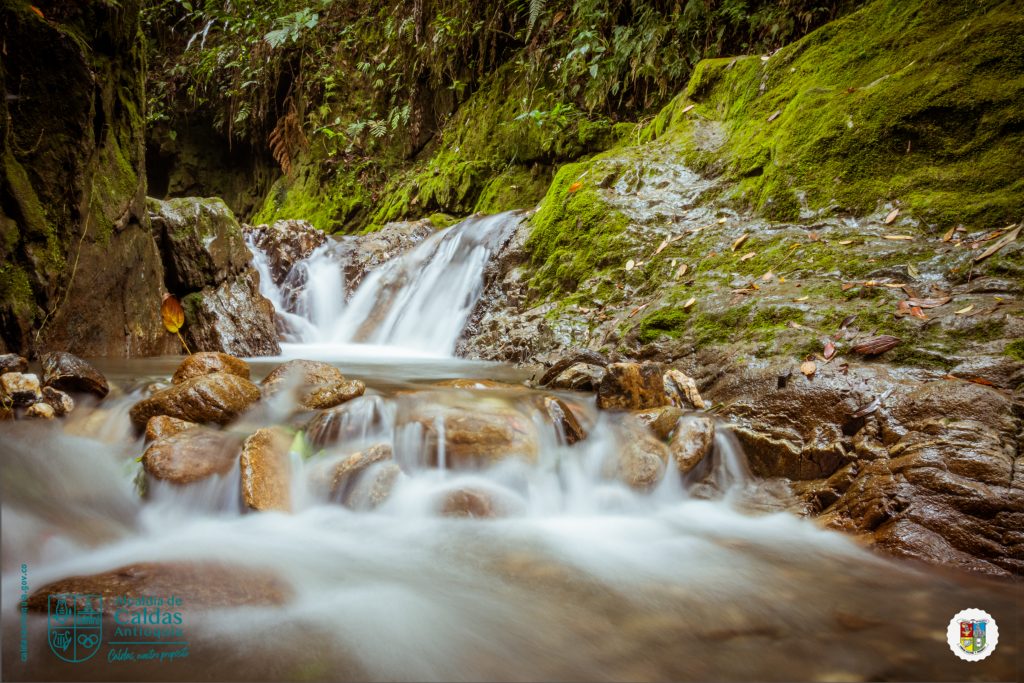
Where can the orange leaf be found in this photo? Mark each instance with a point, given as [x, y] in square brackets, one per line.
[809, 367]
[172, 313]
[37, 11]
[575, 187]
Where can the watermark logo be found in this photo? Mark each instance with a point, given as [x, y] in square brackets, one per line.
[972, 635]
[74, 626]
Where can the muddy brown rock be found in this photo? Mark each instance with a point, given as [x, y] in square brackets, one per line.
[266, 470]
[692, 441]
[161, 426]
[61, 402]
[218, 398]
[207, 363]
[208, 585]
[68, 372]
[191, 455]
[632, 386]
[316, 385]
[19, 389]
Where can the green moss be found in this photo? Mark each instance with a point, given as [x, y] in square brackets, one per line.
[575, 235]
[518, 187]
[885, 104]
[1015, 350]
[667, 322]
[16, 292]
[336, 204]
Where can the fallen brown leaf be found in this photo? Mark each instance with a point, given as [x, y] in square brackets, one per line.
[638, 309]
[690, 302]
[898, 238]
[949, 235]
[661, 247]
[688, 107]
[965, 310]
[1003, 241]
[876, 345]
[844, 242]
[682, 271]
[630, 264]
[748, 256]
[830, 350]
[740, 240]
[575, 187]
[929, 303]
[774, 115]
[892, 216]
[809, 367]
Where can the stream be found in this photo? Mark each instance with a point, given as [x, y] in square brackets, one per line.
[575, 576]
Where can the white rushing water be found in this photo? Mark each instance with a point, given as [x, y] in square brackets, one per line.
[419, 301]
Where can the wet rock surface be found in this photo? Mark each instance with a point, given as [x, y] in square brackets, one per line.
[208, 585]
[209, 362]
[219, 397]
[40, 411]
[692, 440]
[192, 455]
[285, 243]
[209, 267]
[67, 372]
[61, 402]
[316, 385]
[632, 386]
[12, 362]
[266, 470]
[474, 436]
[161, 425]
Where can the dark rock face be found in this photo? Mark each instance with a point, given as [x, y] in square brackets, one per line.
[61, 403]
[931, 471]
[79, 270]
[208, 265]
[12, 362]
[219, 398]
[67, 372]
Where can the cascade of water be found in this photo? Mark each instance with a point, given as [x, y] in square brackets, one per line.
[420, 300]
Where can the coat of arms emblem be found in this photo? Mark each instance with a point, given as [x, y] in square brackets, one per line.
[972, 635]
[74, 626]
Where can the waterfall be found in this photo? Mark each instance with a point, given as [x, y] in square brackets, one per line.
[418, 301]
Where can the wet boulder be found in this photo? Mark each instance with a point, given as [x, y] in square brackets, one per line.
[218, 398]
[347, 471]
[207, 585]
[640, 459]
[68, 372]
[374, 249]
[19, 389]
[316, 385]
[266, 470]
[12, 362]
[284, 243]
[373, 486]
[161, 426]
[209, 267]
[61, 402]
[682, 390]
[207, 363]
[632, 386]
[474, 436]
[692, 441]
[192, 455]
[468, 502]
[350, 421]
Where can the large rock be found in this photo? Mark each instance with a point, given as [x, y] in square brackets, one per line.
[209, 267]
[640, 459]
[354, 420]
[19, 389]
[346, 473]
[79, 268]
[284, 243]
[61, 403]
[207, 363]
[204, 585]
[219, 398]
[692, 441]
[266, 470]
[487, 433]
[563, 419]
[316, 385]
[632, 386]
[68, 372]
[373, 486]
[579, 377]
[662, 421]
[40, 411]
[191, 455]
[232, 317]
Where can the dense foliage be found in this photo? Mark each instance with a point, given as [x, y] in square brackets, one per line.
[347, 74]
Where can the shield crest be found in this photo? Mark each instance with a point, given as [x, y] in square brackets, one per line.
[972, 635]
[74, 626]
